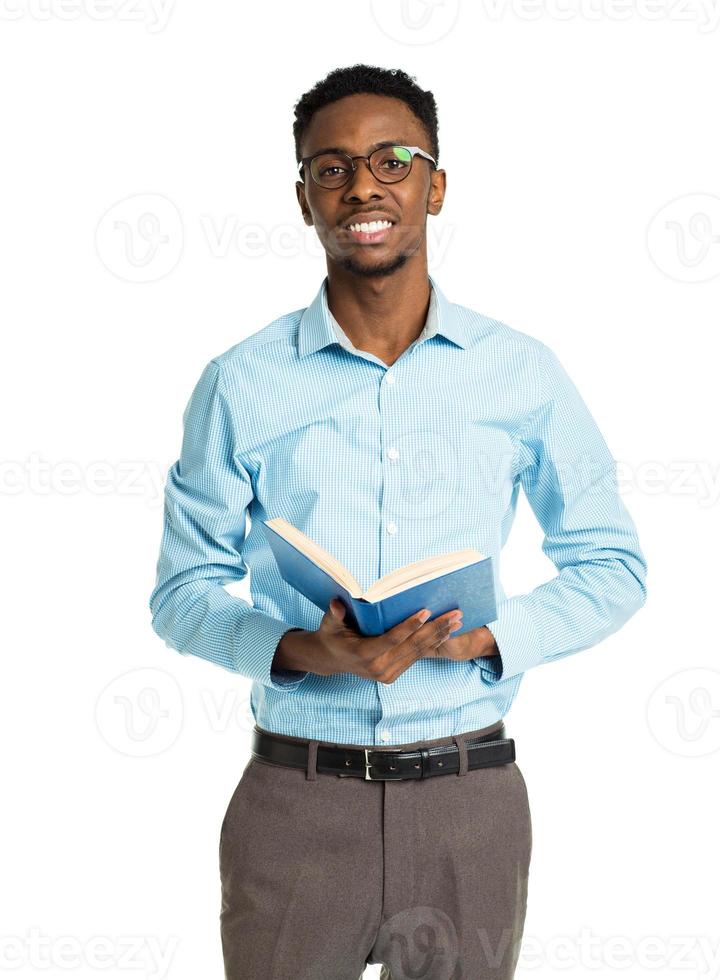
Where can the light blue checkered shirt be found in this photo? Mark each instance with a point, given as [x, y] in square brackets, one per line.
[383, 466]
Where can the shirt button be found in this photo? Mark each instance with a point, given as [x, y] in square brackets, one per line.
[390, 378]
[393, 453]
[392, 528]
[384, 735]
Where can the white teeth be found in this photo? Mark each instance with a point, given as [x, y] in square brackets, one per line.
[371, 226]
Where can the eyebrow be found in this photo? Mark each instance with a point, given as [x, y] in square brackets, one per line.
[375, 146]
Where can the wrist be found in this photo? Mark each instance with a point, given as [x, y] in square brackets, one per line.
[289, 651]
[490, 647]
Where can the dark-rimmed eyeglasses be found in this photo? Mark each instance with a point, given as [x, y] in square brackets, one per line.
[388, 164]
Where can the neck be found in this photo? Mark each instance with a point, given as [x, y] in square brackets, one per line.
[382, 315]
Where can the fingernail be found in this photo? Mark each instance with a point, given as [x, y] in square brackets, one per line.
[425, 615]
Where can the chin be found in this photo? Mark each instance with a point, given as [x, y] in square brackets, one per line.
[383, 268]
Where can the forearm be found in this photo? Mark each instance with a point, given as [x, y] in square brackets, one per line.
[572, 612]
[203, 619]
[569, 477]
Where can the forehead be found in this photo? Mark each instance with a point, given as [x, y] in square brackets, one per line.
[355, 122]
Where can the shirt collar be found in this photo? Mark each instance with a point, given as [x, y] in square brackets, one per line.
[318, 327]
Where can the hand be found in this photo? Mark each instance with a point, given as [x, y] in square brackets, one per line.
[479, 642]
[335, 648]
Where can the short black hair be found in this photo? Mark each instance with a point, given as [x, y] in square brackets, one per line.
[361, 79]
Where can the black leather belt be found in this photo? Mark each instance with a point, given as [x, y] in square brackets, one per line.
[493, 749]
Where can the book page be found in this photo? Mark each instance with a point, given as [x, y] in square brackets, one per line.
[421, 571]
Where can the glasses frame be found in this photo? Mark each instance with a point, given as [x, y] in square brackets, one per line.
[413, 150]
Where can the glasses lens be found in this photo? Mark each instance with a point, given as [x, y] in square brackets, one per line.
[391, 163]
[331, 169]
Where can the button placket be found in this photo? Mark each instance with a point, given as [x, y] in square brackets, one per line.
[390, 528]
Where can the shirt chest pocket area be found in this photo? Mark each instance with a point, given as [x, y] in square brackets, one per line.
[491, 450]
[327, 456]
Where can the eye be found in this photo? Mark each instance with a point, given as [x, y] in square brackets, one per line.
[393, 158]
[326, 171]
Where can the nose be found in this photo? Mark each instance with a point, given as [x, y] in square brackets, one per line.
[362, 183]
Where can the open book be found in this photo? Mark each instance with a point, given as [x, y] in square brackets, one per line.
[455, 580]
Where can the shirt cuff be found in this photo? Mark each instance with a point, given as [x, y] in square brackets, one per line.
[287, 678]
[266, 634]
[517, 641]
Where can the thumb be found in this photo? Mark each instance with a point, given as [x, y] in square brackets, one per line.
[337, 609]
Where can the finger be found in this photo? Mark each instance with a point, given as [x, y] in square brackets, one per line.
[420, 644]
[337, 606]
[398, 634]
[410, 639]
[444, 626]
[416, 622]
[425, 640]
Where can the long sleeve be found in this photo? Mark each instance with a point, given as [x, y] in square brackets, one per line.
[569, 477]
[207, 495]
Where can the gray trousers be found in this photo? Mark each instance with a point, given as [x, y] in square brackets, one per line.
[322, 874]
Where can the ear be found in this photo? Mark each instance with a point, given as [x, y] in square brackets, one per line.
[436, 195]
[302, 200]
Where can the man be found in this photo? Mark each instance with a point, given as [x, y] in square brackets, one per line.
[388, 424]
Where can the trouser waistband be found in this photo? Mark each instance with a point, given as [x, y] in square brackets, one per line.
[413, 760]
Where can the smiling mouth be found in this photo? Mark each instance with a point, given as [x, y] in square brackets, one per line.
[370, 232]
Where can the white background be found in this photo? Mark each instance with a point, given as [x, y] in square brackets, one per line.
[581, 149]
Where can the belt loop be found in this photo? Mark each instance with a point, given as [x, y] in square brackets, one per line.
[459, 740]
[311, 772]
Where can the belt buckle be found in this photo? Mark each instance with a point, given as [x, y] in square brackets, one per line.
[368, 766]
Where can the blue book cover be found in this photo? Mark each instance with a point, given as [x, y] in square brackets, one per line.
[470, 587]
